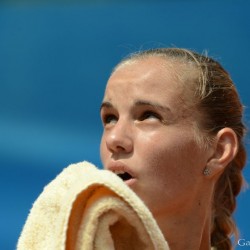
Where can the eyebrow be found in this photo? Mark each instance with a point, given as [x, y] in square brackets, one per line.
[154, 105]
[106, 105]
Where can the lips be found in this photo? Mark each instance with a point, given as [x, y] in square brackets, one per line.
[121, 170]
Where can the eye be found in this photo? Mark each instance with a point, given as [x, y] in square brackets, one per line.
[149, 115]
[109, 119]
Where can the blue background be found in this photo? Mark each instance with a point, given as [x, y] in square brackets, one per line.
[55, 58]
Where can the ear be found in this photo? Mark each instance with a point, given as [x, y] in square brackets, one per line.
[225, 149]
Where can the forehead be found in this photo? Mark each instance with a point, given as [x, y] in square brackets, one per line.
[150, 80]
[137, 66]
[146, 73]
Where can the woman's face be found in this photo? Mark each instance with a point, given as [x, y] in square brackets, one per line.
[149, 133]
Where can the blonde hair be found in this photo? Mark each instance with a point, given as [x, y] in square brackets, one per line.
[219, 104]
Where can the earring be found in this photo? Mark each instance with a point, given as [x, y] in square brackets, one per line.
[207, 171]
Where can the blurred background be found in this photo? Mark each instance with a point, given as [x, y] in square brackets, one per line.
[55, 59]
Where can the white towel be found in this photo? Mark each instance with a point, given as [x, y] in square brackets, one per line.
[85, 208]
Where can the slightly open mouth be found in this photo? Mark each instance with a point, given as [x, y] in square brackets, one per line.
[125, 176]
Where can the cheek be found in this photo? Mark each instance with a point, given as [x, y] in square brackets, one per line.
[157, 146]
[169, 154]
[103, 151]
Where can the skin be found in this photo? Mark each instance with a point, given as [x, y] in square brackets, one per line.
[149, 129]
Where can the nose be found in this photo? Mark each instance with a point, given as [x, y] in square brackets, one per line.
[120, 139]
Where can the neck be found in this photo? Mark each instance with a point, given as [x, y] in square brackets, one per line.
[187, 230]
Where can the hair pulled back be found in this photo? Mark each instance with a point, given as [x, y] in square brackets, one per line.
[218, 102]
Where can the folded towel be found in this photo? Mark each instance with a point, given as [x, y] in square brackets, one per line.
[85, 208]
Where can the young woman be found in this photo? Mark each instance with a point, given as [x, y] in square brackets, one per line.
[173, 131]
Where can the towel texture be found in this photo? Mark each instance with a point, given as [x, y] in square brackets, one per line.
[85, 208]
